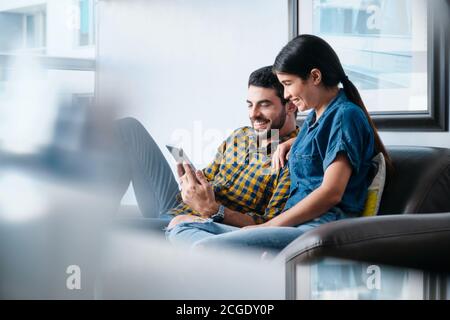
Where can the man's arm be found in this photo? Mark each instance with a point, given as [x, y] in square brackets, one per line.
[275, 206]
[237, 219]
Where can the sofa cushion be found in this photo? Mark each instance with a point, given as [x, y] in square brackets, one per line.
[376, 188]
[420, 183]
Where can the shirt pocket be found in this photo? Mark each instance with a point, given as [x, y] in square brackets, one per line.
[308, 166]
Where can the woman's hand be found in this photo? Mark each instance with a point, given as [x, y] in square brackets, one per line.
[262, 225]
[254, 226]
[281, 154]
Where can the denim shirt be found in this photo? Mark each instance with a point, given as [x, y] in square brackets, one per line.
[342, 128]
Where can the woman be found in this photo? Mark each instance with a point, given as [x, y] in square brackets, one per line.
[330, 161]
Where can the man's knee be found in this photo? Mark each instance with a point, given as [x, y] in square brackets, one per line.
[175, 221]
[128, 123]
[175, 227]
[183, 218]
[130, 132]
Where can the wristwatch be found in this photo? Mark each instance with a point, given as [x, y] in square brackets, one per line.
[220, 215]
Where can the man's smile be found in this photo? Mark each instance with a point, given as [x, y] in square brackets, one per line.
[260, 124]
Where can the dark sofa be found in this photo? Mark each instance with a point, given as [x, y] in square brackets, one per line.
[412, 229]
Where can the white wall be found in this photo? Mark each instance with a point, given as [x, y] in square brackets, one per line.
[181, 67]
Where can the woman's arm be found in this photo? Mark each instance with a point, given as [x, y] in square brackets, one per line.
[281, 154]
[320, 200]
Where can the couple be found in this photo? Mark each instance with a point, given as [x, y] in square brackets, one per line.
[238, 201]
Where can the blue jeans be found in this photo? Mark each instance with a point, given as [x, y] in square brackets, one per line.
[209, 234]
[141, 162]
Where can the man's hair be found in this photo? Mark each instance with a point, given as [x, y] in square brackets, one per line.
[265, 78]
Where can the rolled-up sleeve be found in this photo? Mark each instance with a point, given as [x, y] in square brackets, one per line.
[349, 134]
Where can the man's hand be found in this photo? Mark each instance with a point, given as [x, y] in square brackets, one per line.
[197, 192]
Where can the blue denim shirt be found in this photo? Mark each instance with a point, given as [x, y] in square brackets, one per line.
[342, 128]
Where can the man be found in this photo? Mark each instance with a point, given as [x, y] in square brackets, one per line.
[238, 188]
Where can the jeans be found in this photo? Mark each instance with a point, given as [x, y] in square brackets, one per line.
[209, 234]
[141, 162]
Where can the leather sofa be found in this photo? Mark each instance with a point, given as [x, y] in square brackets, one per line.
[412, 229]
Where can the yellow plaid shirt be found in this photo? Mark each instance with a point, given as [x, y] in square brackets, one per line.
[243, 179]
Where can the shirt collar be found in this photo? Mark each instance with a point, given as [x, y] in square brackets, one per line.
[293, 134]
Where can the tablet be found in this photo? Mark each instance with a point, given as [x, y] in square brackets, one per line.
[179, 155]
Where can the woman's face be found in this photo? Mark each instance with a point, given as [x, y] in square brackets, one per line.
[298, 91]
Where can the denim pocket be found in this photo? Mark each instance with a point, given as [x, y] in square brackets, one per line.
[310, 165]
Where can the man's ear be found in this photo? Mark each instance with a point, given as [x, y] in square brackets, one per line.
[316, 76]
[291, 107]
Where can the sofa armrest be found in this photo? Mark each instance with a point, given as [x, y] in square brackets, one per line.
[418, 241]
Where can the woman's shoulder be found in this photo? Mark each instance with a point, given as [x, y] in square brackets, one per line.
[350, 111]
[350, 118]
[349, 114]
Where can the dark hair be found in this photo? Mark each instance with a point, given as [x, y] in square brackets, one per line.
[307, 52]
[265, 78]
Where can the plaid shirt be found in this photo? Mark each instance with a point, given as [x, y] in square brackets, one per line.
[243, 179]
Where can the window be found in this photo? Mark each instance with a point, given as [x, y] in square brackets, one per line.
[86, 34]
[25, 30]
[34, 30]
[387, 48]
[44, 75]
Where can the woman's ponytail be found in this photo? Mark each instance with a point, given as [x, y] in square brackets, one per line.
[353, 95]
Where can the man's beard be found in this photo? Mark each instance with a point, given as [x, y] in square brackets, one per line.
[276, 124]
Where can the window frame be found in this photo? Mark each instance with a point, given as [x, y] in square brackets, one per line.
[54, 63]
[39, 32]
[39, 23]
[438, 43]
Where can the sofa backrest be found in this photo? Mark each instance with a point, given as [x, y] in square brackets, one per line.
[421, 182]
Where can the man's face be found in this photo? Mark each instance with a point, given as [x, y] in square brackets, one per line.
[265, 110]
